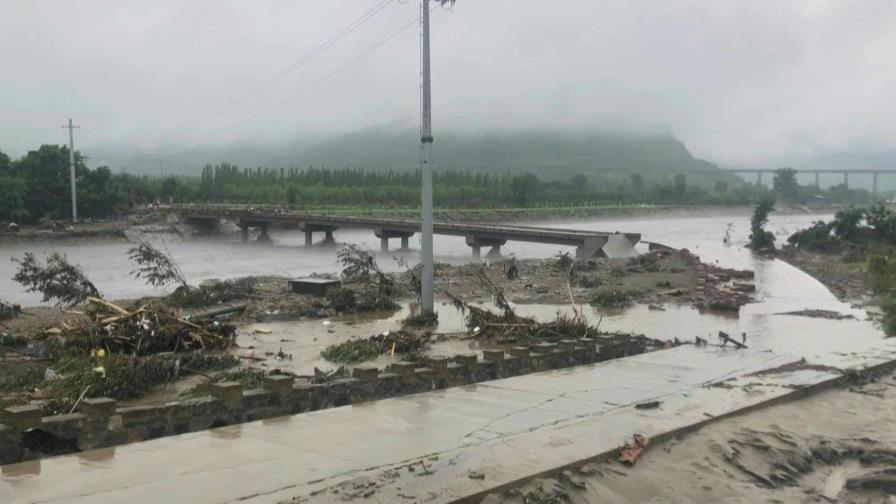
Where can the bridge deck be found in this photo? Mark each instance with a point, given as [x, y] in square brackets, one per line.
[500, 232]
[817, 170]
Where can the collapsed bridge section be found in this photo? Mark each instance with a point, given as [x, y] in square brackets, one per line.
[477, 235]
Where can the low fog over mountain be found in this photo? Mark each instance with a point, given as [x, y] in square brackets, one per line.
[551, 154]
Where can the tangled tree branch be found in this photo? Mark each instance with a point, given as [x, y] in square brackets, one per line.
[359, 266]
[156, 267]
[57, 279]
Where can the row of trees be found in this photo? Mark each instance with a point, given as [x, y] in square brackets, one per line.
[37, 187]
[453, 189]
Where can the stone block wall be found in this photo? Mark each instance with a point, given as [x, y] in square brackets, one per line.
[99, 423]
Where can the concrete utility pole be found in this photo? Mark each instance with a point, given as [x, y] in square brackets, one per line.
[426, 252]
[71, 165]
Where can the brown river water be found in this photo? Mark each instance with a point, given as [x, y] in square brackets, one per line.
[274, 454]
[780, 287]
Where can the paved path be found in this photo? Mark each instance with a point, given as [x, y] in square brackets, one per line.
[501, 430]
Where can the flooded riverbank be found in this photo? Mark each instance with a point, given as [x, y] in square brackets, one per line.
[107, 265]
[781, 288]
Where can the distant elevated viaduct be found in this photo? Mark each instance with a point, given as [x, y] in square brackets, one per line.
[874, 172]
[477, 235]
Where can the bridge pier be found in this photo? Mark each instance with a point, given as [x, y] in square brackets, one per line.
[310, 229]
[846, 179]
[264, 237]
[759, 178]
[591, 247]
[244, 225]
[818, 180]
[874, 183]
[477, 242]
[384, 234]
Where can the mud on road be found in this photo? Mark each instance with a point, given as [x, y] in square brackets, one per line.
[836, 446]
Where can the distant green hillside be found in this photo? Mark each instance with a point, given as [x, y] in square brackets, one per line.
[549, 154]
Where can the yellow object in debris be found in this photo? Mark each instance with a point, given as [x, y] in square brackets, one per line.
[101, 370]
[393, 349]
[100, 353]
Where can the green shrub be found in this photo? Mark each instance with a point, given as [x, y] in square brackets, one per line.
[613, 298]
[818, 237]
[846, 222]
[882, 223]
[882, 271]
[889, 320]
[341, 298]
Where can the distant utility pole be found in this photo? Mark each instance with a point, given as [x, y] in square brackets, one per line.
[426, 281]
[71, 166]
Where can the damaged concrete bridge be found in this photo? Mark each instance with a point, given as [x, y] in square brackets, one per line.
[477, 235]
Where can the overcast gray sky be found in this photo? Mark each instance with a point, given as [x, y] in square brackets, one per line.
[738, 82]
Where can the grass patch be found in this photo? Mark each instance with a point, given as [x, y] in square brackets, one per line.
[360, 350]
[612, 298]
[124, 377]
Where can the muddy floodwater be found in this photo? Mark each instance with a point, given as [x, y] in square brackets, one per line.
[487, 429]
[107, 265]
[780, 287]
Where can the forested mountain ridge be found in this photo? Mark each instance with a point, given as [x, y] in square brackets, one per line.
[549, 154]
[545, 153]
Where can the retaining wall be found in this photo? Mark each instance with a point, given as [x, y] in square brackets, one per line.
[100, 422]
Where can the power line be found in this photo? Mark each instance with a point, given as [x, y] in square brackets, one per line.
[267, 83]
[329, 75]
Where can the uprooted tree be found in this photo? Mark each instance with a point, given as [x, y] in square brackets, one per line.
[56, 279]
[156, 267]
[376, 289]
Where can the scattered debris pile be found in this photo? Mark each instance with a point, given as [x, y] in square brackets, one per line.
[326, 376]
[824, 314]
[143, 331]
[213, 292]
[360, 350]
[509, 328]
[158, 268]
[373, 289]
[718, 288]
